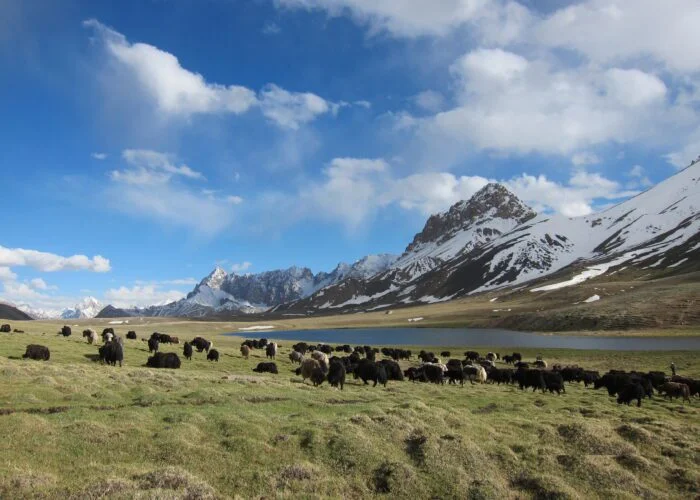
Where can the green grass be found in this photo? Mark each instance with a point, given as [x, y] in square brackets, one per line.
[76, 429]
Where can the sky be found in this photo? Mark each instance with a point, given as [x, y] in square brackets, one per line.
[144, 142]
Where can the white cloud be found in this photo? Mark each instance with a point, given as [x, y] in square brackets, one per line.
[356, 188]
[363, 104]
[686, 154]
[585, 158]
[174, 205]
[141, 296]
[99, 156]
[271, 28]
[6, 274]
[627, 30]
[430, 100]
[639, 178]
[404, 18]
[48, 262]
[234, 200]
[432, 192]
[176, 91]
[574, 199]
[291, 109]
[174, 282]
[514, 105]
[179, 92]
[153, 160]
[40, 284]
[241, 267]
[348, 192]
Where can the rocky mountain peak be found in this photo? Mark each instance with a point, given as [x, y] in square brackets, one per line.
[493, 201]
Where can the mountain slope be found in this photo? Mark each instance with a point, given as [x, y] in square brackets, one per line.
[494, 240]
[9, 312]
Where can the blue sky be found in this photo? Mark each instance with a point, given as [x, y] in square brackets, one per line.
[166, 137]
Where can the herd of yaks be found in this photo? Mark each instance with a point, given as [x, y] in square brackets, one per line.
[326, 363]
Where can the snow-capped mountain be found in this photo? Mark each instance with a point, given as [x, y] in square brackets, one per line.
[221, 293]
[494, 240]
[89, 307]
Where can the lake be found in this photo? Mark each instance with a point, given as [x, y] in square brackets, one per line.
[453, 337]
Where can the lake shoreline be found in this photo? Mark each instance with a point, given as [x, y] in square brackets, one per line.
[450, 337]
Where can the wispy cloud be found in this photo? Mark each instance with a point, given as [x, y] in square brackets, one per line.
[241, 267]
[99, 156]
[141, 296]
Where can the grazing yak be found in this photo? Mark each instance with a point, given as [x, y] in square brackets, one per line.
[66, 331]
[91, 336]
[5, 328]
[554, 382]
[368, 370]
[307, 367]
[201, 344]
[112, 353]
[153, 345]
[693, 384]
[164, 360]
[296, 357]
[393, 370]
[187, 350]
[336, 374]
[530, 378]
[213, 355]
[318, 375]
[245, 351]
[131, 335]
[107, 335]
[271, 350]
[37, 352]
[675, 390]
[266, 367]
[164, 338]
[629, 392]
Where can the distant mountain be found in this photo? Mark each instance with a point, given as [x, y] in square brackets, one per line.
[85, 309]
[221, 293]
[496, 241]
[112, 312]
[8, 312]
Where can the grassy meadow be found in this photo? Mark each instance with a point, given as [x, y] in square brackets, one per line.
[73, 428]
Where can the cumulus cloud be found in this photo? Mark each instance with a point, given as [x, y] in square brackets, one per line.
[291, 109]
[241, 267]
[404, 18]
[141, 296]
[179, 92]
[99, 156]
[585, 158]
[638, 178]
[49, 262]
[430, 100]
[514, 105]
[355, 189]
[608, 32]
[6, 274]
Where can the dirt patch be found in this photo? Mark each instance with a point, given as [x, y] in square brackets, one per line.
[264, 399]
[389, 477]
[634, 434]
[291, 473]
[415, 446]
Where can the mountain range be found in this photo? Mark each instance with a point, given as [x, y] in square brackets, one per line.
[491, 241]
[495, 241]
